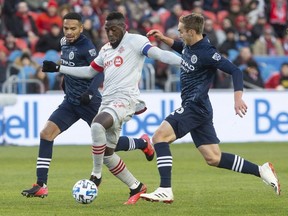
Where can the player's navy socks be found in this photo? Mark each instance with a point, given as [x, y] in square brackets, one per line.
[238, 164]
[43, 161]
[164, 163]
[128, 144]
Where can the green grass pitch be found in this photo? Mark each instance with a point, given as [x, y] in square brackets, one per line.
[198, 189]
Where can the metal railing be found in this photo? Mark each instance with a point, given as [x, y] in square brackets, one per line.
[10, 85]
[148, 78]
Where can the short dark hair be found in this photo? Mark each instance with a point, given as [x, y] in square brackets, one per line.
[115, 16]
[73, 16]
[193, 21]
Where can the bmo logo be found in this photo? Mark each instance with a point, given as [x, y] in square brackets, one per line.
[266, 120]
[118, 61]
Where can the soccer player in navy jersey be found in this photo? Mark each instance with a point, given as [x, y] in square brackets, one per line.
[82, 100]
[200, 61]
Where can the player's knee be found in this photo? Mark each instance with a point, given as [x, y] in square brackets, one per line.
[98, 134]
[48, 134]
[160, 135]
[212, 160]
[109, 151]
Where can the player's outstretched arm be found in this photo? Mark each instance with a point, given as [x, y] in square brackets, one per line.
[159, 36]
[86, 72]
[164, 56]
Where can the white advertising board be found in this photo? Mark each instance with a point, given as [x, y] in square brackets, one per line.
[266, 120]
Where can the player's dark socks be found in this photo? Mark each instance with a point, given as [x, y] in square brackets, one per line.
[128, 144]
[164, 163]
[40, 183]
[43, 161]
[238, 164]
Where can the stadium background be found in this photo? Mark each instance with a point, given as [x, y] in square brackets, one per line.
[198, 188]
[22, 53]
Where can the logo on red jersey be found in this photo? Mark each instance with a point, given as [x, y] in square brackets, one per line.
[118, 61]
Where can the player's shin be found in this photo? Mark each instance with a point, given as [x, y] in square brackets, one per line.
[238, 164]
[98, 148]
[129, 144]
[164, 163]
[43, 161]
[118, 168]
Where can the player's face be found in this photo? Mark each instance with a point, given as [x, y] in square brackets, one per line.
[115, 32]
[72, 29]
[186, 35]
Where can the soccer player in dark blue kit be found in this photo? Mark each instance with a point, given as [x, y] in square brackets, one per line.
[82, 100]
[200, 61]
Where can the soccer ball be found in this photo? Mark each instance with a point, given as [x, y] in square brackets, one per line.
[84, 191]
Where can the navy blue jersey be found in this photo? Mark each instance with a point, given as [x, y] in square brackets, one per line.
[77, 54]
[198, 68]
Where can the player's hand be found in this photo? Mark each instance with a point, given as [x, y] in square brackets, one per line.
[241, 109]
[85, 98]
[240, 106]
[50, 66]
[155, 33]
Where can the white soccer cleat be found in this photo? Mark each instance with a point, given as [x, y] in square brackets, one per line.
[159, 195]
[269, 176]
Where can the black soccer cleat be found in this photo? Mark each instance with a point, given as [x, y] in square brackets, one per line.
[36, 191]
[135, 194]
[95, 180]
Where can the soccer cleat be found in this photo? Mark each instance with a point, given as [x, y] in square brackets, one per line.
[36, 191]
[135, 194]
[140, 107]
[149, 150]
[95, 180]
[268, 175]
[159, 195]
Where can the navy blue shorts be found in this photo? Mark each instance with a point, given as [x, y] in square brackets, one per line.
[195, 120]
[67, 114]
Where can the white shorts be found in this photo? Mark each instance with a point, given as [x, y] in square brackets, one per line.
[122, 111]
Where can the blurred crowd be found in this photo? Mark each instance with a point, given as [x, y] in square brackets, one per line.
[245, 31]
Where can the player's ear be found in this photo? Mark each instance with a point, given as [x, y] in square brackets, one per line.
[192, 32]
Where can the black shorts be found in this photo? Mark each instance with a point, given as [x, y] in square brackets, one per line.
[195, 120]
[67, 114]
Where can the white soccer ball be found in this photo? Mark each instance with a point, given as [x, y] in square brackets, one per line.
[85, 191]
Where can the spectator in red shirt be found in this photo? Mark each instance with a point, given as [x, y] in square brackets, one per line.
[279, 80]
[46, 19]
[278, 16]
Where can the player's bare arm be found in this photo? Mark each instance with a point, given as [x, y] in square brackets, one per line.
[159, 36]
[240, 106]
